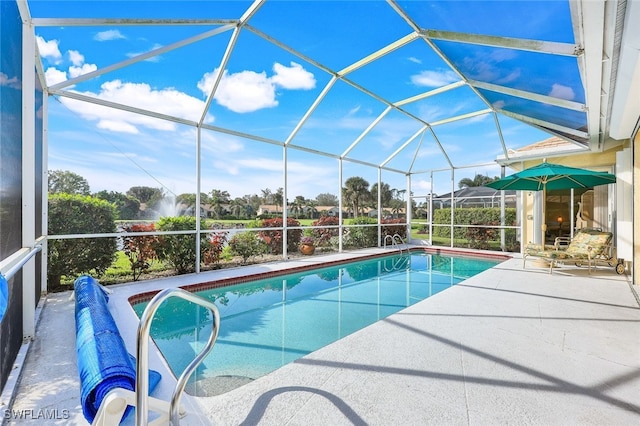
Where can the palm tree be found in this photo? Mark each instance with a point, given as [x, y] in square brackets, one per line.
[218, 198]
[266, 196]
[252, 204]
[297, 205]
[356, 193]
[278, 198]
[386, 193]
[310, 209]
[478, 180]
[237, 207]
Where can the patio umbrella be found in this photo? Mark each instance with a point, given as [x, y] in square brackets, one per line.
[552, 176]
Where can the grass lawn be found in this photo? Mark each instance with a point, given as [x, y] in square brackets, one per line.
[209, 222]
[120, 270]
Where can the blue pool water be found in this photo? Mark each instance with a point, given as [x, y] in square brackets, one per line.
[271, 322]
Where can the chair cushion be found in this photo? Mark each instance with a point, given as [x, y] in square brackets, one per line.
[588, 238]
[549, 252]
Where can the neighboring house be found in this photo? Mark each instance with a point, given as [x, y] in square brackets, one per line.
[474, 196]
[387, 213]
[317, 211]
[308, 212]
[605, 207]
[266, 209]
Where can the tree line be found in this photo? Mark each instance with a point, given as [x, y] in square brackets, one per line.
[143, 202]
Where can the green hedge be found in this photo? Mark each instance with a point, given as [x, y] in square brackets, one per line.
[469, 216]
[476, 216]
[79, 214]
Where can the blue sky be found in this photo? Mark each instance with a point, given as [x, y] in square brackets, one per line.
[265, 90]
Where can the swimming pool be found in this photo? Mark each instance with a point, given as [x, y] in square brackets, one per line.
[271, 322]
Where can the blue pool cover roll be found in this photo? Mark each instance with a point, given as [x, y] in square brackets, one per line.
[103, 361]
[4, 295]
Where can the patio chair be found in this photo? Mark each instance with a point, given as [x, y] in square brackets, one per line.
[589, 245]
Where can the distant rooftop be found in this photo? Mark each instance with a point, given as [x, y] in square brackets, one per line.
[551, 146]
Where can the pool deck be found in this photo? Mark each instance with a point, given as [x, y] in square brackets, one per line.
[508, 346]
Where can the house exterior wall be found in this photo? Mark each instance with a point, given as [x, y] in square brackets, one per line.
[600, 161]
[10, 179]
[21, 153]
[635, 266]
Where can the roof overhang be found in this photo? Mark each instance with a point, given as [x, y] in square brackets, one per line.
[625, 108]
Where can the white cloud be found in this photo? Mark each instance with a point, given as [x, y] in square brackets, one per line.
[512, 76]
[226, 167]
[151, 59]
[434, 78]
[248, 91]
[13, 82]
[84, 69]
[75, 57]
[54, 76]
[262, 164]
[293, 77]
[498, 104]
[166, 101]
[415, 60]
[118, 126]
[421, 187]
[562, 92]
[353, 111]
[108, 35]
[107, 118]
[484, 67]
[219, 143]
[206, 82]
[49, 49]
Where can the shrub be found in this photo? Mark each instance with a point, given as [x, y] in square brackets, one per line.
[273, 238]
[477, 216]
[323, 235]
[212, 252]
[79, 214]
[467, 216]
[141, 250]
[362, 236]
[248, 244]
[479, 237]
[179, 250]
[392, 227]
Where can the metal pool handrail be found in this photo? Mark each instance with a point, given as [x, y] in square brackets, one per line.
[14, 268]
[142, 364]
[394, 242]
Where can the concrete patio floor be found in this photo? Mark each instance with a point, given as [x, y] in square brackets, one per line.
[508, 346]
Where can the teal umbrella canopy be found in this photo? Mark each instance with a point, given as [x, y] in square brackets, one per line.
[546, 176]
[552, 176]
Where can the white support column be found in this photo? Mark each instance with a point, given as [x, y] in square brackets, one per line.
[341, 226]
[284, 203]
[572, 217]
[198, 188]
[45, 192]
[453, 188]
[431, 209]
[379, 206]
[28, 178]
[503, 242]
[409, 211]
[523, 217]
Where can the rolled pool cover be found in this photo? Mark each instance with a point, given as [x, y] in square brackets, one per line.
[4, 295]
[103, 361]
